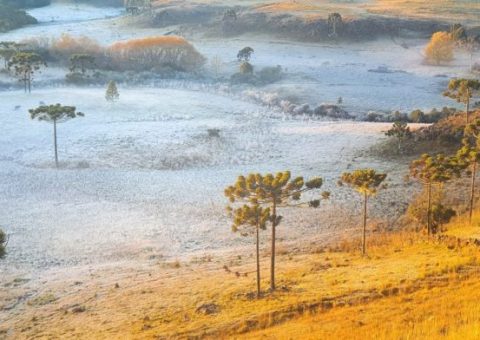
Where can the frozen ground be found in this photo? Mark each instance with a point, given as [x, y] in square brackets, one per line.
[142, 177]
[143, 174]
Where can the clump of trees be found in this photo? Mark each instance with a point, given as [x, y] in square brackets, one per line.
[440, 49]
[25, 65]
[367, 182]
[81, 68]
[273, 192]
[55, 114]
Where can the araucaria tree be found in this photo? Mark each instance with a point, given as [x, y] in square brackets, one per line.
[468, 157]
[401, 132]
[55, 114]
[367, 182]
[82, 63]
[274, 191]
[24, 65]
[250, 219]
[463, 90]
[430, 171]
[111, 95]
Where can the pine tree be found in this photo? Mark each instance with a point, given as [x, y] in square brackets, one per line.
[274, 191]
[55, 114]
[366, 182]
[433, 170]
[112, 94]
[463, 90]
[250, 219]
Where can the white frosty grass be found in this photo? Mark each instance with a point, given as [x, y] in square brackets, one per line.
[141, 177]
[316, 73]
[143, 173]
[63, 11]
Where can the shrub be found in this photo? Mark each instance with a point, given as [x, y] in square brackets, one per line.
[440, 49]
[155, 53]
[66, 45]
[270, 74]
[3, 243]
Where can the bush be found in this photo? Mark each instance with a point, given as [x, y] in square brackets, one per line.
[440, 214]
[155, 53]
[440, 49]
[66, 45]
[3, 243]
[270, 74]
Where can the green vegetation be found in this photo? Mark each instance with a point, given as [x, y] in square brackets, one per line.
[3, 243]
[401, 132]
[55, 114]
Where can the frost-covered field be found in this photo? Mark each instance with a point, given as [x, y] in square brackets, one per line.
[142, 177]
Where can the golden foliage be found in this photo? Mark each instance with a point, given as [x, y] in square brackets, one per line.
[156, 52]
[66, 45]
[440, 49]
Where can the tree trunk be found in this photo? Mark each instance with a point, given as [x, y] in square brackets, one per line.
[364, 224]
[429, 208]
[467, 109]
[472, 191]
[55, 141]
[272, 258]
[258, 263]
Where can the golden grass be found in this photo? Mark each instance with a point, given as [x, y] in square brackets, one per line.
[162, 300]
[464, 11]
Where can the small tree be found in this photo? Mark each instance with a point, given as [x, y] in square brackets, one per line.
[440, 49]
[430, 171]
[334, 21]
[463, 90]
[401, 132]
[55, 114]
[245, 54]
[274, 191]
[25, 64]
[250, 219]
[111, 95]
[468, 157]
[366, 182]
[3, 243]
[217, 65]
